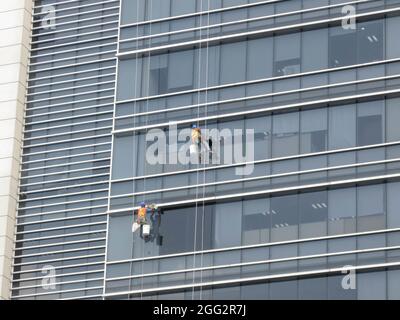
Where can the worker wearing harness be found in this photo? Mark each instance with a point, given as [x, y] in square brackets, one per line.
[141, 215]
[196, 135]
[196, 141]
[142, 223]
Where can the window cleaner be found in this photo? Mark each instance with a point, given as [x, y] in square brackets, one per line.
[195, 147]
[141, 220]
[197, 142]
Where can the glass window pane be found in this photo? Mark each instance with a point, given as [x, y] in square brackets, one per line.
[342, 211]
[342, 47]
[120, 238]
[314, 50]
[313, 209]
[314, 130]
[392, 119]
[284, 218]
[260, 56]
[370, 123]
[287, 54]
[370, 41]
[228, 224]
[233, 62]
[392, 38]
[370, 209]
[285, 134]
[256, 221]
[342, 131]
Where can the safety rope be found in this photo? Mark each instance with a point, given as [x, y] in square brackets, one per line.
[147, 92]
[137, 83]
[199, 158]
[202, 156]
[133, 144]
[204, 165]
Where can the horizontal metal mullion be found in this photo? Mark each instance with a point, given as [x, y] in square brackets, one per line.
[57, 276]
[67, 74]
[272, 176]
[256, 279]
[69, 103]
[260, 245]
[68, 187]
[70, 194]
[64, 187]
[78, 14]
[46, 253]
[249, 82]
[67, 171]
[61, 228]
[66, 218]
[74, 94]
[75, 21]
[60, 203]
[71, 50]
[86, 297]
[55, 3]
[42, 214]
[63, 164]
[71, 65]
[212, 199]
[58, 283]
[68, 124]
[62, 236]
[64, 267]
[254, 263]
[71, 132]
[246, 98]
[67, 88]
[267, 160]
[55, 46]
[55, 292]
[247, 20]
[69, 81]
[71, 36]
[58, 260]
[218, 39]
[64, 157]
[66, 141]
[56, 244]
[71, 8]
[199, 13]
[260, 110]
[32, 123]
[71, 29]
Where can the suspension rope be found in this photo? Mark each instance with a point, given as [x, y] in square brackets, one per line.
[147, 92]
[202, 156]
[133, 145]
[199, 158]
[147, 122]
[204, 165]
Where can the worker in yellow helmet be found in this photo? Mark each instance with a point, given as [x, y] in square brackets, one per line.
[195, 148]
[196, 135]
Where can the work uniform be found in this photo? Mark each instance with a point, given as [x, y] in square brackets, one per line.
[196, 136]
[142, 215]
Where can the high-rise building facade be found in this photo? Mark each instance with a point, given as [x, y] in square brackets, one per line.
[291, 192]
[61, 223]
